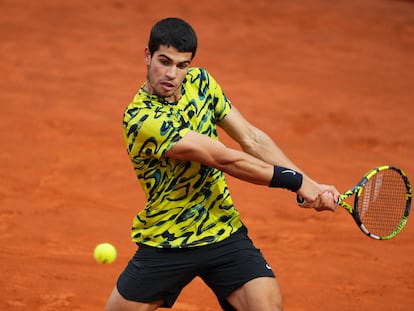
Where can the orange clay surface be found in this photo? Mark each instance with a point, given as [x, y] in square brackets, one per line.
[331, 81]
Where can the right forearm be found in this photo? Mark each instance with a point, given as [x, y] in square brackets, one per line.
[251, 169]
[239, 164]
[244, 166]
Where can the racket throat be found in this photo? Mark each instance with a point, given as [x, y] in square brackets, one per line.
[365, 230]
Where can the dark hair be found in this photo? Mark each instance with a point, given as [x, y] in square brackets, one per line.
[173, 32]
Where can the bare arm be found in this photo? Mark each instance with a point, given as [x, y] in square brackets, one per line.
[254, 141]
[203, 149]
[257, 143]
[254, 164]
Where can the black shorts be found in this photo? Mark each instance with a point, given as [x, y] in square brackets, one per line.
[155, 274]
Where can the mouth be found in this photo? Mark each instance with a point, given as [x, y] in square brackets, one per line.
[167, 86]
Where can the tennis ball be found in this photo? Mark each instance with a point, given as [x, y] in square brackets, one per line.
[105, 253]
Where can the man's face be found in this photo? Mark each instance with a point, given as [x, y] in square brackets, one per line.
[166, 70]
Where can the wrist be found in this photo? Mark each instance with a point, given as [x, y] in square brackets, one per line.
[286, 178]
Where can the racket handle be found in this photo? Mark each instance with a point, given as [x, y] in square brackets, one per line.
[299, 200]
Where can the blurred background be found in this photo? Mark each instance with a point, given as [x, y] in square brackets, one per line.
[330, 81]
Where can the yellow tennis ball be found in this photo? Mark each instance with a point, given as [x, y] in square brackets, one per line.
[105, 253]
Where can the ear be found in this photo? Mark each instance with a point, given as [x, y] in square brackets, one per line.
[147, 56]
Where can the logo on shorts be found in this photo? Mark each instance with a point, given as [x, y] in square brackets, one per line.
[268, 267]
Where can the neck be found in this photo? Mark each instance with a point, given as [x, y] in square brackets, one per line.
[173, 98]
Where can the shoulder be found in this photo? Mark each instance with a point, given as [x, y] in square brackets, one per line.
[202, 79]
[197, 74]
[142, 101]
[194, 71]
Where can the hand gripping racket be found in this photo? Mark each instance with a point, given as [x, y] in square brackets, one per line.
[382, 202]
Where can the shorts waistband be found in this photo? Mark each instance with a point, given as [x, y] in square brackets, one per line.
[242, 231]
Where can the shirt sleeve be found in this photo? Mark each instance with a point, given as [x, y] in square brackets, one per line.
[150, 133]
[221, 104]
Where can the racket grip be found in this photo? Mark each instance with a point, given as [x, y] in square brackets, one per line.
[299, 200]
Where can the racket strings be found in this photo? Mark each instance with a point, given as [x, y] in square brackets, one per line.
[381, 205]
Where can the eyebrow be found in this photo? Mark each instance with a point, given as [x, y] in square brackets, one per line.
[170, 59]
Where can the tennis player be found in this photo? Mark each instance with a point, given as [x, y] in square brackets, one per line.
[189, 226]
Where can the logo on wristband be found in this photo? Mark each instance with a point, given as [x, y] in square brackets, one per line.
[286, 178]
[288, 171]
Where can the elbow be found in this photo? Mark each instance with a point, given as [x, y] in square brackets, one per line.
[251, 141]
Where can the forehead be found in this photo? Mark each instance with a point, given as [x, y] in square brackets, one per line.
[173, 54]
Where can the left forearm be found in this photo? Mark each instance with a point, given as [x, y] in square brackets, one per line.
[263, 147]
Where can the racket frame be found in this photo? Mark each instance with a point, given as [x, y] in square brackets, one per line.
[357, 191]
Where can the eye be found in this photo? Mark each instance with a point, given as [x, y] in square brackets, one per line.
[183, 65]
[164, 62]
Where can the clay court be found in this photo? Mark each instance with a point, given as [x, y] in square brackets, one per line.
[331, 81]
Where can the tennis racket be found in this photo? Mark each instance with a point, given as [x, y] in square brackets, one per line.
[382, 202]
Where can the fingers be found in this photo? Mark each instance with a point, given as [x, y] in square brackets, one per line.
[320, 197]
[324, 201]
[331, 189]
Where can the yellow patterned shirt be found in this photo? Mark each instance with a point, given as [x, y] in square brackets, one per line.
[188, 203]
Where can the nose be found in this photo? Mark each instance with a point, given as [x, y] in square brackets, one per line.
[172, 72]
